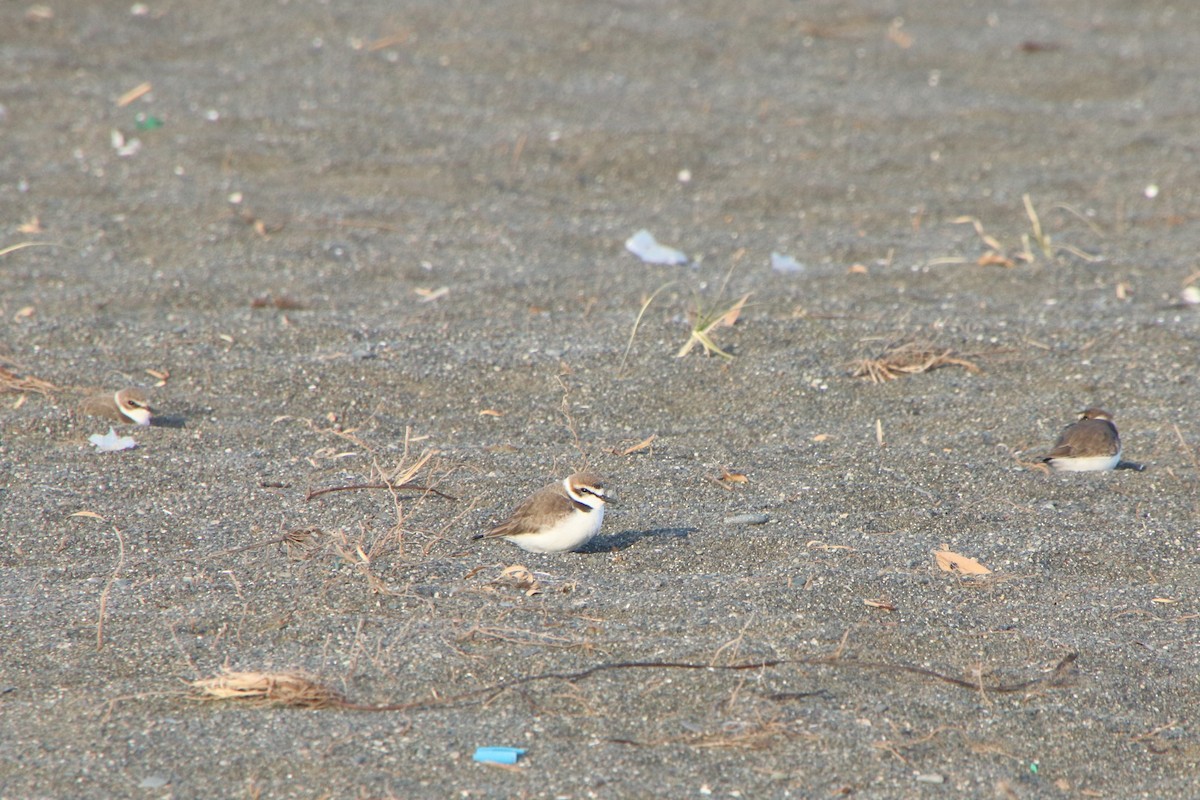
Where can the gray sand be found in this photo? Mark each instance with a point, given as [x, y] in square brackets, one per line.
[505, 151]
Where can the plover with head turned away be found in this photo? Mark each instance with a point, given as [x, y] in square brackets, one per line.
[1089, 445]
[563, 516]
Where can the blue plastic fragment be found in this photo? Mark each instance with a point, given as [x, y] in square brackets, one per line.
[498, 755]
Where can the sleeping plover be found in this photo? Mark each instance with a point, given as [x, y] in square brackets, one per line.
[563, 516]
[125, 405]
[1089, 445]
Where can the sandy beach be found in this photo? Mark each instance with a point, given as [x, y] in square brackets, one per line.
[352, 245]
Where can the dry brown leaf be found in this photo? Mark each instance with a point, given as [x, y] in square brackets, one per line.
[1165, 601]
[884, 604]
[731, 316]
[491, 412]
[897, 36]
[952, 562]
[91, 514]
[821, 437]
[34, 225]
[857, 269]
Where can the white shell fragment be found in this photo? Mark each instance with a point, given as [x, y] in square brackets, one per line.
[785, 264]
[124, 148]
[111, 442]
[643, 245]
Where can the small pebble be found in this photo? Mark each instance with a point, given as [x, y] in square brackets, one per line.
[748, 519]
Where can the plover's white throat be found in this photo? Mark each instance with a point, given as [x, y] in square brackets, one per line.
[563, 516]
[1089, 445]
[125, 405]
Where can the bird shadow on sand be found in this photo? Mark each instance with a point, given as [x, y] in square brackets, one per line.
[624, 539]
[1133, 465]
[173, 421]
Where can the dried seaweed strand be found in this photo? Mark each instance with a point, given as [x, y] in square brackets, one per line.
[295, 689]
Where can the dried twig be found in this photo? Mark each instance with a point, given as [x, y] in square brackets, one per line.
[10, 382]
[312, 493]
[296, 689]
[908, 359]
[108, 587]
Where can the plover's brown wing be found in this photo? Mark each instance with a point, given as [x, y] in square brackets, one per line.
[535, 514]
[101, 404]
[1090, 437]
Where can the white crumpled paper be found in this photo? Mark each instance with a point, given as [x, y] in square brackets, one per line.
[643, 245]
[111, 442]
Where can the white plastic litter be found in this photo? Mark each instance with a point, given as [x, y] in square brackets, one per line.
[124, 148]
[111, 442]
[643, 245]
[785, 264]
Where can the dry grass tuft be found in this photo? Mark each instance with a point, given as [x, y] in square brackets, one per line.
[747, 735]
[908, 359]
[287, 689]
[10, 382]
[705, 321]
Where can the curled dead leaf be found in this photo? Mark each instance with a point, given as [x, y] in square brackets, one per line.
[520, 577]
[733, 477]
[32, 225]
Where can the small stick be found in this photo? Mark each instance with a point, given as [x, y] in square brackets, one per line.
[107, 587]
[429, 490]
